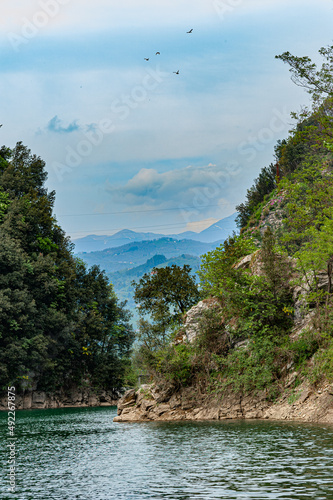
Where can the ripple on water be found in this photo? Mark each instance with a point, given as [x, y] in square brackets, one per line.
[82, 454]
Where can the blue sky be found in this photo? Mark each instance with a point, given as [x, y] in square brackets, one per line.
[127, 142]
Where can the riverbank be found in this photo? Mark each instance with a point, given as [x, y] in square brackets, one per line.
[150, 403]
[73, 398]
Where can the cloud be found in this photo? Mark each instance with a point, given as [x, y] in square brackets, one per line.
[195, 188]
[55, 16]
[55, 125]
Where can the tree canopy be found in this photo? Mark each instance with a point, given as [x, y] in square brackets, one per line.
[166, 292]
[60, 323]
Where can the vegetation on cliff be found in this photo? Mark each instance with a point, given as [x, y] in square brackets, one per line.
[286, 230]
[60, 323]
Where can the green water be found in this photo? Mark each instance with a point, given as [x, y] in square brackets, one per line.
[71, 454]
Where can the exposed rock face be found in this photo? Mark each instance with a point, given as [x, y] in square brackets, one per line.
[273, 220]
[72, 398]
[300, 293]
[193, 316]
[244, 263]
[303, 403]
[252, 262]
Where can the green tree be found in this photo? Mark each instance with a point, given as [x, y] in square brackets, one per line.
[256, 304]
[218, 277]
[318, 82]
[304, 73]
[166, 293]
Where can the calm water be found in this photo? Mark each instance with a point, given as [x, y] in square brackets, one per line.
[81, 454]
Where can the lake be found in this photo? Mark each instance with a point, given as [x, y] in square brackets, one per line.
[68, 454]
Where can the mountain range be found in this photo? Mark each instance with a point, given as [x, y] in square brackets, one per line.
[217, 232]
[138, 252]
[127, 255]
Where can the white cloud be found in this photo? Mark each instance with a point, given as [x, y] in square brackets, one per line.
[190, 187]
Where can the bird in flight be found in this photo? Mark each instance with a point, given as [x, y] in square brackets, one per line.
[176, 72]
[190, 31]
[146, 58]
[158, 54]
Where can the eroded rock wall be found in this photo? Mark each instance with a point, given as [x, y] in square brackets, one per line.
[150, 403]
[62, 399]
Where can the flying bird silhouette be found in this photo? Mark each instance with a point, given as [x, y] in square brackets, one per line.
[176, 72]
[146, 58]
[190, 31]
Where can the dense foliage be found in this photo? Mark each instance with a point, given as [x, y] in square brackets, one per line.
[60, 323]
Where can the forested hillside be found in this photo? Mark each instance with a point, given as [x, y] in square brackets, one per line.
[60, 322]
[137, 253]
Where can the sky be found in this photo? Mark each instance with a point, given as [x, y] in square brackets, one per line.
[129, 143]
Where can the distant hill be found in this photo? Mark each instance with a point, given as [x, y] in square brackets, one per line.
[216, 232]
[137, 253]
[93, 242]
[127, 255]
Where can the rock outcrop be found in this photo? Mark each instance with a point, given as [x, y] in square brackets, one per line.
[303, 403]
[151, 403]
[194, 315]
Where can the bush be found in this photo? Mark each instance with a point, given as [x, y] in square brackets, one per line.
[252, 369]
[305, 347]
[263, 185]
[323, 364]
[175, 364]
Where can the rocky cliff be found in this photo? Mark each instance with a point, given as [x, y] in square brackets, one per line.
[74, 397]
[151, 402]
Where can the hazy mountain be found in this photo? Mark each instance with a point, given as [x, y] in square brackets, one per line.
[94, 242]
[137, 253]
[127, 255]
[216, 232]
[120, 277]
